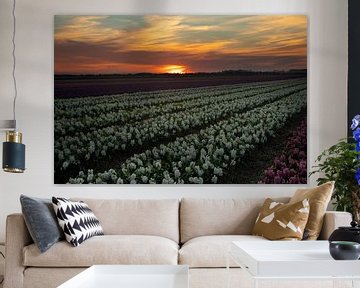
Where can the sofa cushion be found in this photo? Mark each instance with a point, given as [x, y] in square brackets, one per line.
[76, 220]
[319, 198]
[211, 251]
[107, 249]
[41, 221]
[158, 217]
[279, 221]
[200, 217]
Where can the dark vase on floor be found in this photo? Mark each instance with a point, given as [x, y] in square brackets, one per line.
[351, 233]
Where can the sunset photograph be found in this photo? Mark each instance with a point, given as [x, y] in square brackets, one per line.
[180, 99]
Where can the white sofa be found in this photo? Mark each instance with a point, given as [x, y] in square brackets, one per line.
[194, 232]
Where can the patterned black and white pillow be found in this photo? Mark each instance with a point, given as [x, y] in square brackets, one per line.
[77, 220]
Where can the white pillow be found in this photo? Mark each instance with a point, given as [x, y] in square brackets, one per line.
[76, 220]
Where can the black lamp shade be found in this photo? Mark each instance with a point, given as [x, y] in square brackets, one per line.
[13, 157]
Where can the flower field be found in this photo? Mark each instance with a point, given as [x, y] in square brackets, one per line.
[178, 136]
[290, 167]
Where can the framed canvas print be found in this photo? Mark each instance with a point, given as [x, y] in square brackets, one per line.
[179, 99]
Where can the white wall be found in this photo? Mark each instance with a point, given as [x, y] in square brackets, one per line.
[327, 57]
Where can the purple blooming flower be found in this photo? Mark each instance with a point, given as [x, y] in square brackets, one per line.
[355, 122]
[278, 180]
[290, 166]
[357, 147]
[356, 135]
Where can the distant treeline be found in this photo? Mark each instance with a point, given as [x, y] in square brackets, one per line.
[292, 73]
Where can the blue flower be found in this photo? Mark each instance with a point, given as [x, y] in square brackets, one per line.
[356, 135]
[355, 122]
[357, 176]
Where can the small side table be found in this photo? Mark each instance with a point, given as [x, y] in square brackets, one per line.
[284, 262]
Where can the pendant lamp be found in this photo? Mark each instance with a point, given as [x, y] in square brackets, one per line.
[13, 149]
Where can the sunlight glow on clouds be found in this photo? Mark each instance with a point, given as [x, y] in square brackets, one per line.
[133, 44]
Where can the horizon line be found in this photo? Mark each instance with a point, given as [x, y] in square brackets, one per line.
[189, 73]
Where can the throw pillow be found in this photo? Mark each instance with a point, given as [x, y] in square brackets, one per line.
[279, 221]
[77, 220]
[319, 198]
[41, 222]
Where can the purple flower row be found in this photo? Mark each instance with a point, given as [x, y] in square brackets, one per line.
[291, 166]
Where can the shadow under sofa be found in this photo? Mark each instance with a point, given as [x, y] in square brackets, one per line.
[190, 231]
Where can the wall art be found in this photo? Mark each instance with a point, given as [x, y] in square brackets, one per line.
[165, 99]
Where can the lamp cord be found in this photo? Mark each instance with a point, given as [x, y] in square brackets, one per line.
[14, 59]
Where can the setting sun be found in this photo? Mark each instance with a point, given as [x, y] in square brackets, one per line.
[175, 69]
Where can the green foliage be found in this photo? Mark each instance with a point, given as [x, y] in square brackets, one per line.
[339, 163]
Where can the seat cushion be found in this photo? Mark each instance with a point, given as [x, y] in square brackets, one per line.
[108, 249]
[211, 251]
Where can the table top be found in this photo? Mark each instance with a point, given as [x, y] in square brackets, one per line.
[131, 276]
[291, 259]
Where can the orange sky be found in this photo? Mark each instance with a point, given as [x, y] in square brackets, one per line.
[179, 44]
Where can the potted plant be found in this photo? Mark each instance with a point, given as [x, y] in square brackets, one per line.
[341, 163]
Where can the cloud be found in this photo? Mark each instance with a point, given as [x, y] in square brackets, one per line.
[92, 57]
[203, 43]
[85, 29]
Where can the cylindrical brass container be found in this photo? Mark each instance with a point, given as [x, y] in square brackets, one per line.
[13, 153]
[14, 136]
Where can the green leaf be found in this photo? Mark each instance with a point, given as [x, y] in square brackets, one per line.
[339, 163]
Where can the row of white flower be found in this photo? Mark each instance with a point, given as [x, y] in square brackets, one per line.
[134, 98]
[203, 157]
[93, 105]
[93, 117]
[71, 150]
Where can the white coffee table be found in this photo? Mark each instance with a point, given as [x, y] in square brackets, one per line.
[292, 260]
[131, 276]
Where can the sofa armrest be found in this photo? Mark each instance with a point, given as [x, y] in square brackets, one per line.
[17, 237]
[333, 220]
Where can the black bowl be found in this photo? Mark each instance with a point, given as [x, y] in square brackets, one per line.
[344, 250]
